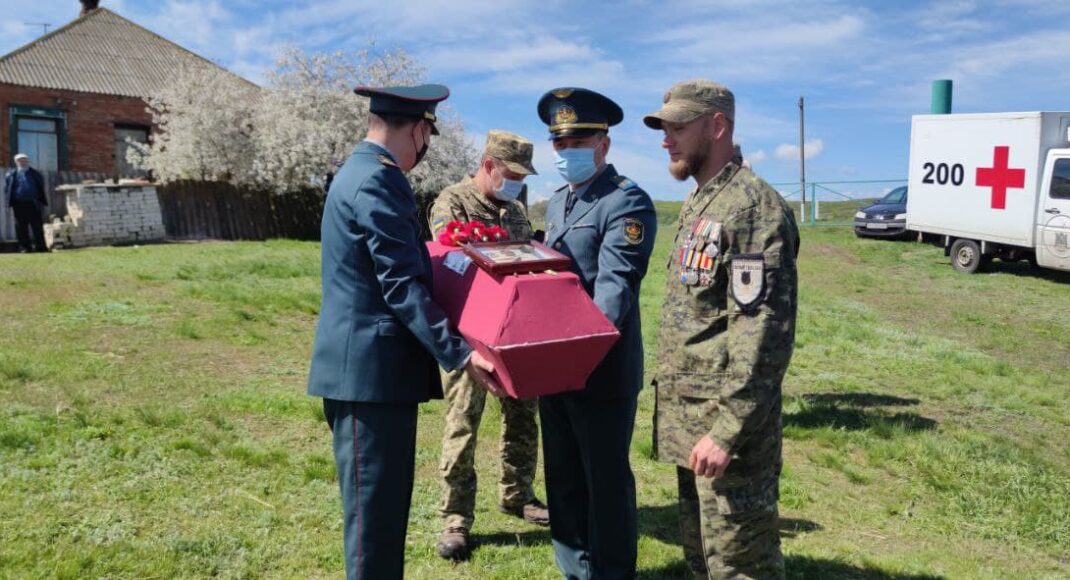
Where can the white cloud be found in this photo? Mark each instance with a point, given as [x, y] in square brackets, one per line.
[754, 43]
[752, 125]
[756, 157]
[788, 34]
[944, 21]
[539, 51]
[790, 152]
[195, 24]
[607, 76]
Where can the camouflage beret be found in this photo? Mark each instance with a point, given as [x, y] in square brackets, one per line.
[689, 100]
[513, 150]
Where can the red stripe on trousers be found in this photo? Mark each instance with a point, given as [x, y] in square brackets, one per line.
[356, 487]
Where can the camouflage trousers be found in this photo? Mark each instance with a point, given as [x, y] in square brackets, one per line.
[730, 533]
[519, 449]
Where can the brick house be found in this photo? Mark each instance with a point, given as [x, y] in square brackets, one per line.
[72, 98]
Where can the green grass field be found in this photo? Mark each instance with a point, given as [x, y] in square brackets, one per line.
[153, 422]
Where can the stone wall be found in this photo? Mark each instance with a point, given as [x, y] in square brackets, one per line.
[101, 214]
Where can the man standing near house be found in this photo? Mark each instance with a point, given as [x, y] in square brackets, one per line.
[489, 196]
[380, 338]
[606, 223]
[727, 333]
[25, 190]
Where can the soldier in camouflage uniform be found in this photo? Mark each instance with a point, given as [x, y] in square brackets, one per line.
[489, 196]
[727, 333]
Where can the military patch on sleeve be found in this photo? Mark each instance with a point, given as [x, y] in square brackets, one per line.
[748, 280]
[437, 225]
[387, 161]
[633, 231]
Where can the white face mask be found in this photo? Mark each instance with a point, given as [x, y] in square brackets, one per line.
[509, 190]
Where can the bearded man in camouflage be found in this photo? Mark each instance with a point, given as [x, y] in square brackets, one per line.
[727, 334]
[490, 196]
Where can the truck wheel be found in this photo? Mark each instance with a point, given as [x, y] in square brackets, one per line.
[966, 256]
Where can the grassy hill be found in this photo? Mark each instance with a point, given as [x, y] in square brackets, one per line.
[153, 421]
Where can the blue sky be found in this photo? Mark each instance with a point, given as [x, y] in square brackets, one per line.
[864, 67]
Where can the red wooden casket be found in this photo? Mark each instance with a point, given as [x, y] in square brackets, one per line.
[541, 330]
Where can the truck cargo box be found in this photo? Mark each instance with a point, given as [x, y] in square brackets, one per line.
[978, 176]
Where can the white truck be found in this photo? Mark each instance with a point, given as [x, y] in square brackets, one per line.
[992, 185]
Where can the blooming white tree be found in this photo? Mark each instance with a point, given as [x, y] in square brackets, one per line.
[204, 127]
[307, 117]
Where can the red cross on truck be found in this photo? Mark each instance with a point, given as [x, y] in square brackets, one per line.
[992, 185]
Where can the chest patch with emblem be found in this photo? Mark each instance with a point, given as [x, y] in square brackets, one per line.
[748, 280]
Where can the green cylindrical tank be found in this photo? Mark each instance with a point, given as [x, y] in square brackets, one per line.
[941, 97]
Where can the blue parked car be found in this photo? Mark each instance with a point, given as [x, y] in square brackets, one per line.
[885, 219]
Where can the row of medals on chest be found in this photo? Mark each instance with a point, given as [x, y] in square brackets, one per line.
[697, 257]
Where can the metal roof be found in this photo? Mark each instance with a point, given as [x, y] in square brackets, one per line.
[100, 52]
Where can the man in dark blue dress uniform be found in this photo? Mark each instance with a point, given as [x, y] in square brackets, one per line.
[607, 225]
[380, 338]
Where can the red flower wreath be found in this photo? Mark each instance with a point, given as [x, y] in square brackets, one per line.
[457, 233]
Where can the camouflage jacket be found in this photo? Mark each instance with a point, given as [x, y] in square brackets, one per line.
[728, 325]
[465, 202]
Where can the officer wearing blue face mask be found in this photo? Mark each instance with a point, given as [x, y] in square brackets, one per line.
[490, 196]
[607, 225]
[494, 192]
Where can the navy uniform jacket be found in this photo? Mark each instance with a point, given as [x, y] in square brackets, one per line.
[610, 257]
[379, 333]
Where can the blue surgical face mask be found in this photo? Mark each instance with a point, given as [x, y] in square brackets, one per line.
[575, 165]
[509, 190]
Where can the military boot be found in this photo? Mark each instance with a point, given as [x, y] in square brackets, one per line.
[453, 543]
[533, 512]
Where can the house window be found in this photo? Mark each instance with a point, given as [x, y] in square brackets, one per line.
[39, 138]
[41, 133]
[124, 137]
